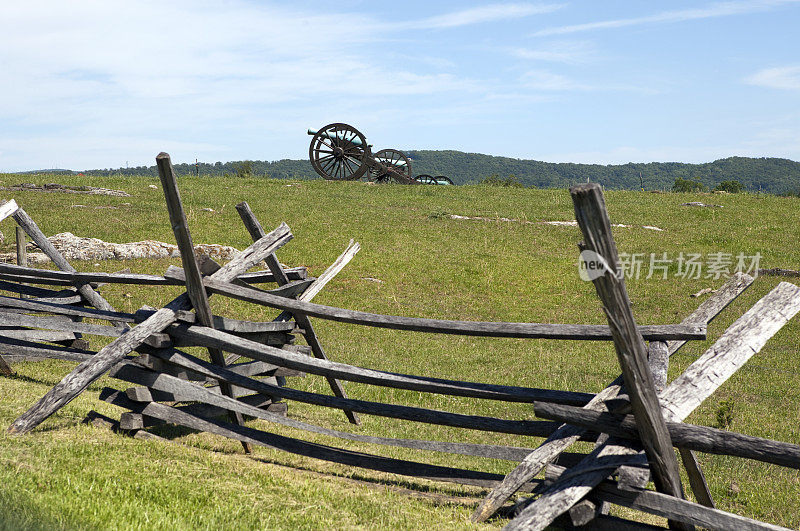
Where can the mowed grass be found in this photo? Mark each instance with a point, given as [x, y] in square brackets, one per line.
[415, 261]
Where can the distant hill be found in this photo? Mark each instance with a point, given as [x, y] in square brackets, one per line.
[770, 175]
[37, 172]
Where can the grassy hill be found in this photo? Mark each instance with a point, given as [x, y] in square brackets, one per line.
[768, 175]
[418, 261]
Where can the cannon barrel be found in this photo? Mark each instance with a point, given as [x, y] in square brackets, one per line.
[355, 141]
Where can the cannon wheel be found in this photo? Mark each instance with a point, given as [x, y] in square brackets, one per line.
[425, 179]
[440, 178]
[338, 152]
[395, 160]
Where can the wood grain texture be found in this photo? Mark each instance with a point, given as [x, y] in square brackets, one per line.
[8, 208]
[57, 323]
[567, 434]
[712, 306]
[331, 271]
[176, 389]
[606, 523]
[744, 338]
[65, 278]
[22, 242]
[194, 283]
[292, 360]
[310, 336]
[256, 231]
[90, 370]
[86, 291]
[658, 359]
[416, 414]
[295, 446]
[689, 436]
[595, 225]
[50, 336]
[139, 421]
[5, 368]
[36, 291]
[23, 350]
[738, 344]
[697, 480]
[670, 507]
[250, 369]
[440, 326]
[226, 324]
[35, 305]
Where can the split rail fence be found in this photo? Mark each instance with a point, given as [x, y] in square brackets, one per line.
[635, 422]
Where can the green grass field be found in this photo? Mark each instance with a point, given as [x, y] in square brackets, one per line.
[70, 475]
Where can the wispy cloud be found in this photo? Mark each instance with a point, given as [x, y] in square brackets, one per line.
[479, 15]
[192, 72]
[549, 81]
[546, 81]
[784, 77]
[556, 52]
[722, 9]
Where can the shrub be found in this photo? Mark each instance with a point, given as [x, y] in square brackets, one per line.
[244, 168]
[725, 414]
[687, 185]
[733, 187]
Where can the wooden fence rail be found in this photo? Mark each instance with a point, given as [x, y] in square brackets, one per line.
[634, 422]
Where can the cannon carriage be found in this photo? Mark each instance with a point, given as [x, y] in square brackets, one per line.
[340, 152]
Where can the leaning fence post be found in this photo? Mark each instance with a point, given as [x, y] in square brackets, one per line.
[256, 231]
[598, 245]
[22, 256]
[697, 480]
[194, 282]
[90, 295]
[5, 368]
[658, 357]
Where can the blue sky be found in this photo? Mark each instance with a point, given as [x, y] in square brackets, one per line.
[105, 83]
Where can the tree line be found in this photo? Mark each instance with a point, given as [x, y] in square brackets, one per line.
[768, 175]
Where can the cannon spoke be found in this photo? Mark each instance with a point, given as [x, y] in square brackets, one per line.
[349, 167]
[337, 152]
[329, 165]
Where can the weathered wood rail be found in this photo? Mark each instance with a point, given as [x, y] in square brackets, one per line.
[635, 422]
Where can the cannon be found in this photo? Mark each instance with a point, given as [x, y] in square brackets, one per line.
[340, 152]
[429, 179]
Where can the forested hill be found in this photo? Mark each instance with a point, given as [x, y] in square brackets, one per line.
[769, 175]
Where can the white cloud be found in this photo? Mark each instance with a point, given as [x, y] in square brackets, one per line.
[188, 70]
[785, 77]
[544, 80]
[721, 9]
[556, 52]
[479, 15]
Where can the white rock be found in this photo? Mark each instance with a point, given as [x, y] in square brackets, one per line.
[79, 248]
